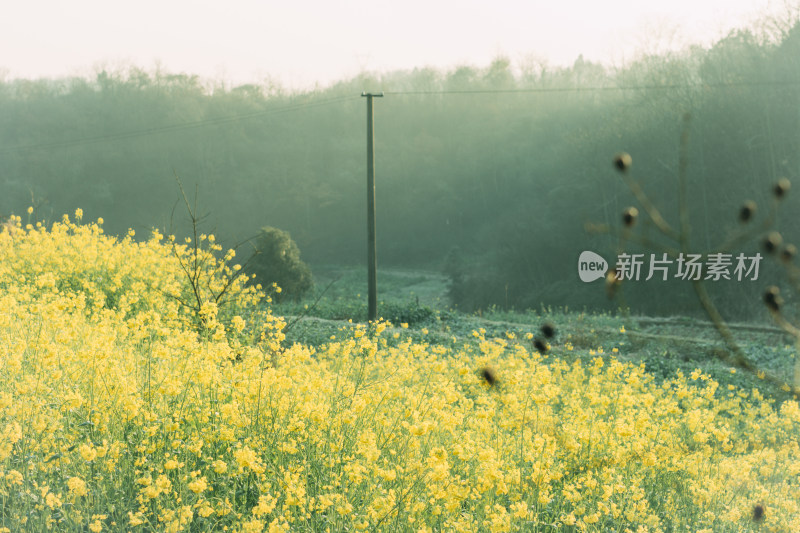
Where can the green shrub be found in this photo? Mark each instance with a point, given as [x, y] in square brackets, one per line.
[276, 259]
[408, 313]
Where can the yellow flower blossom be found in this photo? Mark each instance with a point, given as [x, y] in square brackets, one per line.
[96, 525]
[77, 486]
[52, 500]
[112, 371]
[220, 467]
[198, 486]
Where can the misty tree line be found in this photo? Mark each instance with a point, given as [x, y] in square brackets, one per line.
[487, 173]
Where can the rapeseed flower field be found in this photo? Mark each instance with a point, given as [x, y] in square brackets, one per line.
[145, 386]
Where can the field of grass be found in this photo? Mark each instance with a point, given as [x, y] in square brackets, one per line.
[419, 299]
[145, 387]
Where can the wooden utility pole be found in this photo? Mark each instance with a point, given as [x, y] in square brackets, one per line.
[372, 256]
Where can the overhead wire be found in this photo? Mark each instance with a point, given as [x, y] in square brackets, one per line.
[670, 86]
[173, 127]
[308, 105]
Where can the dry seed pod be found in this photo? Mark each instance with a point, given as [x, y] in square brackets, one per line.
[758, 513]
[772, 297]
[772, 242]
[788, 253]
[622, 161]
[540, 345]
[548, 330]
[629, 216]
[781, 188]
[747, 211]
[488, 375]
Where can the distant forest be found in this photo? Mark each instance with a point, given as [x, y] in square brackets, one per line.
[487, 173]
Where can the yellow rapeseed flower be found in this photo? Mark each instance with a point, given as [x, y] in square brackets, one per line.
[103, 336]
[52, 500]
[77, 486]
[219, 466]
[198, 486]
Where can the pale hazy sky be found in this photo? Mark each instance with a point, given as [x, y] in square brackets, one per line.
[300, 43]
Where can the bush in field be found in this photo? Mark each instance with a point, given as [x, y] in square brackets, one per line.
[276, 259]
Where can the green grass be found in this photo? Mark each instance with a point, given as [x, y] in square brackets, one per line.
[419, 299]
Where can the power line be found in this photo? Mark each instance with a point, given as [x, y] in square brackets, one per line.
[174, 127]
[309, 105]
[615, 88]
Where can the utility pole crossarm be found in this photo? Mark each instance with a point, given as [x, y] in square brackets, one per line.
[372, 256]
